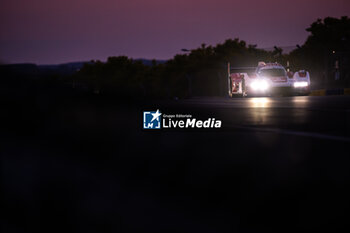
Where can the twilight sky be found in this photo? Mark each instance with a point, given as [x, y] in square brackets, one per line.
[57, 31]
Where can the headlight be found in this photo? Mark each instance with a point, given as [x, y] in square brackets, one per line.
[300, 84]
[261, 85]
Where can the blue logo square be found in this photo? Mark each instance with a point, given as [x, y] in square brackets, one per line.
[152, 120]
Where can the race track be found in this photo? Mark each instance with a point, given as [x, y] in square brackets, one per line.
[278, 164]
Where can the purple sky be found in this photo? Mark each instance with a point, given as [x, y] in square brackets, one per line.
[56, 31]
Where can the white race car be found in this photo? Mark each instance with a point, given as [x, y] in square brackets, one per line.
[301, 82]
[266, 79]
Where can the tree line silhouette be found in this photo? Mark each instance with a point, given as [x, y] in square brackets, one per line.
[203, 71]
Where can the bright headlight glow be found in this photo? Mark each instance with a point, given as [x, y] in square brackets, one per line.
[301, 84]
[260, 85]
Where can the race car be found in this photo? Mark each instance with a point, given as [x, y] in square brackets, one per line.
[301, 83]
[263, 80]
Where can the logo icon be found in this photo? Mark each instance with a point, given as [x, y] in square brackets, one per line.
[151, 120]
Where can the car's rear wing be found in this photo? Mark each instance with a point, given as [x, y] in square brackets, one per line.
[236, 77]
[242, 69]
[248, 70]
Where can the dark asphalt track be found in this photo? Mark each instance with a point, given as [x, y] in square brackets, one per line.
[312, 116]
[278, 164]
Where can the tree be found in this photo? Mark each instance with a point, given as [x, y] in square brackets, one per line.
[328, 41]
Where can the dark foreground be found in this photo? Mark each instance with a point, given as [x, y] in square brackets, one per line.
[84, 164]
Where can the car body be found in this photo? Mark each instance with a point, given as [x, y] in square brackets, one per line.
[301, 82]
[266, 79]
